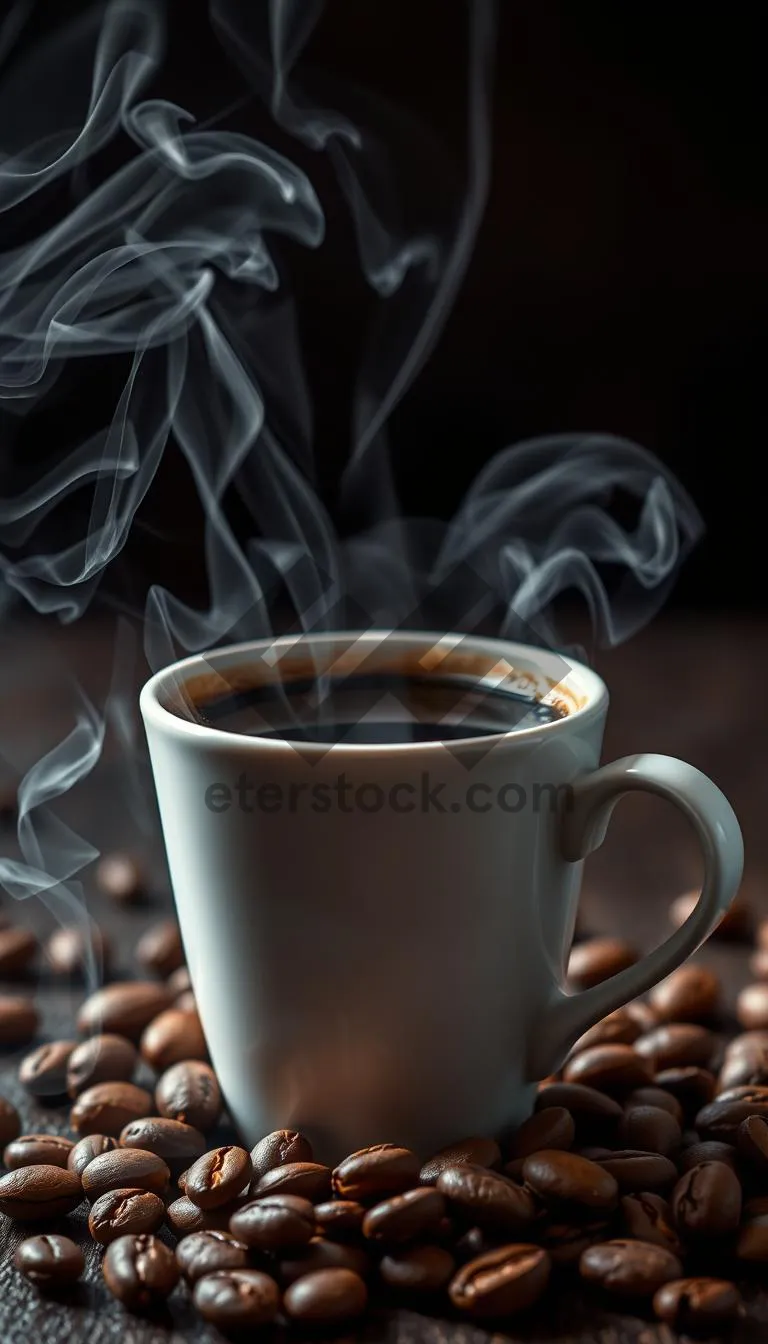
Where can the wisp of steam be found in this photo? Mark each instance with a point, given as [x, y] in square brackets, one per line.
[172, 263]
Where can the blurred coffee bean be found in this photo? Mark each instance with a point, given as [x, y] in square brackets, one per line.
[326, 1297]
[177, 1144]
[650, 1129]
[642, 1015]
[107, 1108]
[597, 959]
[417, 1269]
[49, 1261]
[76, 951]
[217, 1176]
[140, 1271]
[550, 1128]
[18, 1020]
[37, 1150]
[10, 1124]
[17, 950]
[752, 1007]
[502, 1282]
[208, 1252]
[340, 1219]
[631, 1269]
[190, 1092]
[125, 1169]
[677, 1045]
[373, 1172]
[706, 1202]
[101, 1059]
[236, 1299]
[697, 1305]
[595, 1115]
[322, 1254]
[691, 1087]
[565, 1179]
[708, 1150]
[752, 1240]
[648, 1217]
[124, 1008]
[735, 925]
[610, 1068]
[722, 1117]
[618, 1028]
[184, 1218]
[120, 877]
[44, 1072]
[119, 1212]
[83, 1152]
[415, 1214]
[637, 1171]
[179, 982]
[278, 1149]
[32, 1194]
[486, 1199]
[171, 1037]
[656, 1096]
[160, 949]
[478, 1152]
[275, 1223]
[752, 1143]
[564, 1242]
[745, 1062]
[311, 1180]
[689, 994]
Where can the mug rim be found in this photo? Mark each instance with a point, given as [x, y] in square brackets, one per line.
[590, 688]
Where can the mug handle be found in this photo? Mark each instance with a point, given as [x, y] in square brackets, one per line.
[583, 826]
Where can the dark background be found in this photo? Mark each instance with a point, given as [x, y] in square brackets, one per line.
[619, 278]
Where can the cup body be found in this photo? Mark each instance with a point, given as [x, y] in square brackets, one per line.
[373, 932]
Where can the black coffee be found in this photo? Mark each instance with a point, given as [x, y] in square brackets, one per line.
[381, 707]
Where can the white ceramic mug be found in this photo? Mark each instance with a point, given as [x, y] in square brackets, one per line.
[395, 973]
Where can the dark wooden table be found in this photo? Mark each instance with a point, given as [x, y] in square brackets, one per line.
[692, 689]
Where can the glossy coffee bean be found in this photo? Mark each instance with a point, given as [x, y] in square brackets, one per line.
[218, 1176]
[656, 1096]
[37, 1150]
[311, 1180]
[650, 1129]
[746, 1062]
[179, 982]
[560, 1178]
[697, 1305]
[752, 1143]
[735, 925]
[689, 994]
[184, 1218]
[416, 1213]
[752, 1007]
[160, 948]
[648, 1217]
[630, 1269]
[140, 1271]
[708, 1150]
[85, 1150]
[752, 1241]
[17, 949]
[322, 1254]
[278, 1149]
[190, 1092]
[621, 1027]
[179, 1145]
[275, 1223]
[326, 1297]
[18, 1019]
[120, 877]
[417, 1269]
[49, 1261]
[564, 1242]
[107, 1108]
[479, 1152]
[123, 1008]
[76, 951]
[237, 1298]
[125, 1169]
[596, 960]
[637, 1171]
[552, 1128]
[171, 1037]
[340, 1219]
[502, 1282]
[691, 1087]
[595, 1115]
[486, 1199]
[43, 1073]
[105, 1058]
[722, 1117]
[208, 1253]
[29, 1194]
[10, 1124]
[706, 1202]
[677, 1045]
[609, 1068]
[119, 1212]
[374, 1172]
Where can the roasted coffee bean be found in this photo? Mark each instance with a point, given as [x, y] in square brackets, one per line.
[190, 1092]
[689, 994]
[629, 1268]
[160, 949]
[597, 959]
[171, 1037]
[611, 1068]
[502, 1282]
[755, 1207]
[752, 1143]
[275, 1223]
[552, 1128]
[322, 1254]
[752, 1241]
[477, 1240]
[101, 1059]
[706, 1202]
[209, 1253]
[177, 1144]
[37, 1150]
[278, 1150]
[373, 1172]
[236, 1298]
[74, 951]
[736, 923]
[746, 1062]
[677, 1045]
[758, 964]
[691, 1087]
[486, 1199]
[125, 1169]
[650, 1129]
[416, 1213]
[479, 1152]
[697, 1305]
[417, 1269]
[124, 1008]
[656, 1096]
[708, 1150]
[18, 1020]
[17, 950]
[49, 1261]
[121, 1211]
[621, 1027]
[120, 877]
[648, 1217]
[340, 1219]
[637, 1171]
[308, 1179]
[179, 982]
[565, 1179]
[218, 1176]
[140, 1271]
[186, 1002]
[29, 1194]
[595, 1115]
[722, 1117]
[751, 1006]
[10, 1125]
[83, 1152]
[564, 1242]
[326, 1297]
[109, 1107]
[183, 1217]
[44, 1072]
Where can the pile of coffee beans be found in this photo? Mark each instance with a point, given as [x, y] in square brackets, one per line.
[642, 1171]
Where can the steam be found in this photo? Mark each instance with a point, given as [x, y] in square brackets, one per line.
[171, 263]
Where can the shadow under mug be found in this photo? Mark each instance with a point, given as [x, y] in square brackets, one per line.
[396, 973]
